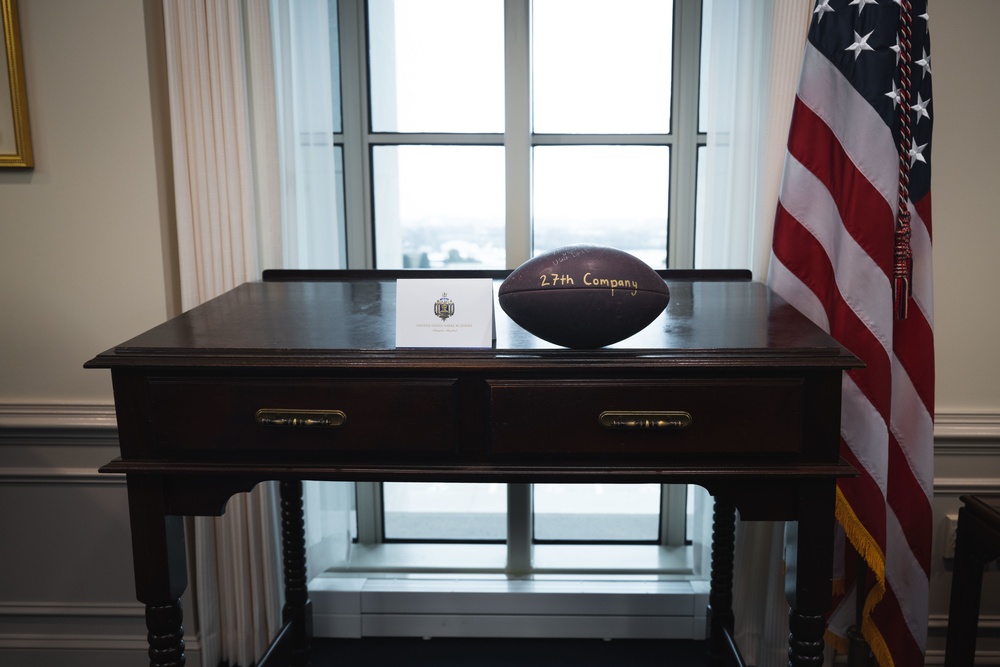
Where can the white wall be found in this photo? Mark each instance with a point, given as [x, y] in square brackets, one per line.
[81, 256]
[966, 178]
[87, 261]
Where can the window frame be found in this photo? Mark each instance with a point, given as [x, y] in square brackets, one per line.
[357, 142]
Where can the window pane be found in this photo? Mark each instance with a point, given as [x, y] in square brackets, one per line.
[602, 67]
[436, 65]
[437, 511]
[597, 512]
[609, 195]
[439, 206]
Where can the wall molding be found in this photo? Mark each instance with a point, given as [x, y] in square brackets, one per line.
[54, 416]
[57, 425]
[960, 486]
[948, 426]
[954, 427]
[972, 433]
[58, 475]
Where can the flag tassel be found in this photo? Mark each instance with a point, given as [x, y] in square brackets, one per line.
[902, 266]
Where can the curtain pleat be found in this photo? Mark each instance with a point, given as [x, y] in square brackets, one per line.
[236, 575]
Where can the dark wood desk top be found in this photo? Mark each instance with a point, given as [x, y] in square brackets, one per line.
[349, 322]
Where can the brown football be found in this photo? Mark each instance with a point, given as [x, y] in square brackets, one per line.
[584, 296]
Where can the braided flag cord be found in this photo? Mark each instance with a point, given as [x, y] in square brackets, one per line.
[852, 250]
[903, 254]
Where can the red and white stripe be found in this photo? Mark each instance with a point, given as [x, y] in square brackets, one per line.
[832, 258]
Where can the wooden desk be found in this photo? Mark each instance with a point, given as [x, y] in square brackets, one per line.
[761, 383]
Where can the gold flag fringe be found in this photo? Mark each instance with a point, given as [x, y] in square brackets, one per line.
[874, 558]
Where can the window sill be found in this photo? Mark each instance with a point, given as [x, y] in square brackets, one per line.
[575, 559]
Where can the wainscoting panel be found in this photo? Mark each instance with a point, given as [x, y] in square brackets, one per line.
[67, 595]
[66, 591]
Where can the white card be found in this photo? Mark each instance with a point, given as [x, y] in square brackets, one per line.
[445, 312]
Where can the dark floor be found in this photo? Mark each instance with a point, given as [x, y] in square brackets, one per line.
[376, 652]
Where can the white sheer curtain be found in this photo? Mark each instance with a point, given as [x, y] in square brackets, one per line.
[309, 113]
[225, 213]
[753, 61]
[312, 204]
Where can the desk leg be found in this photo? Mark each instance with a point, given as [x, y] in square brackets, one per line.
[720, 597]
[298, 608]
[160, 568]
[966, 592]
[809, 573]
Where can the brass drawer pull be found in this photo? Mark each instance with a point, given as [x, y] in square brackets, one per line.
[308, 418]
[645, 420]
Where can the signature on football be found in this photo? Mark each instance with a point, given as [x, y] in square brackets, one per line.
[590, 280]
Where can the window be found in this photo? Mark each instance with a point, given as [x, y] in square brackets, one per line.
[478, 134]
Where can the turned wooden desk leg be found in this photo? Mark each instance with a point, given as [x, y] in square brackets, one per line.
[160, 568]
[298, 608]
[720, 597]
[808, 573]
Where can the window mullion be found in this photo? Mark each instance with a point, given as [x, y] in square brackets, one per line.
[684, 153]
[517, 131]
[673, 512]
[354, 93]
[602, 140]
[368, 499]
[438, 138]
[520, 528]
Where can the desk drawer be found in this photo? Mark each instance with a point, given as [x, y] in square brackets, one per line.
[753, 416]
[335, 416]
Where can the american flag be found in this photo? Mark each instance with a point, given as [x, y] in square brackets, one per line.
[852, 250]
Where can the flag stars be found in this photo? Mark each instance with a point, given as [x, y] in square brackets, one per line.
[895, 95]
[862, 3]
[925, 61]
[822, 8]
[920, 107]
[860, 43]
[917, 154]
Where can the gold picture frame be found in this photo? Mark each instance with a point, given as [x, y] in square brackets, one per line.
[15, 134]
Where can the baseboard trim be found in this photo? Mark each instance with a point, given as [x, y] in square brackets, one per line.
[73, 609]
[65, 626]
[46, 642]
